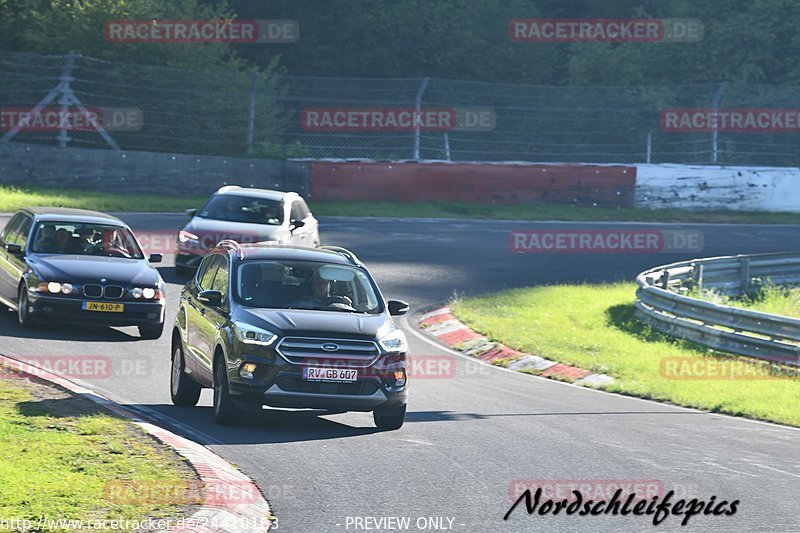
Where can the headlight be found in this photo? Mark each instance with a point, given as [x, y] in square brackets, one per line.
[253, 335]
[185, 236]
[148, 293]
[55, 287]
[395, 341]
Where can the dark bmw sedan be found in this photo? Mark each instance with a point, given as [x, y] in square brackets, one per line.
[78, 266]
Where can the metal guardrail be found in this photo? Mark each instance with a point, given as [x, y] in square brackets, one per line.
[661, 302]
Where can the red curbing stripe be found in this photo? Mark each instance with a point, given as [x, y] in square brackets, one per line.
[436, 319]
[565, 371]
[458, 336]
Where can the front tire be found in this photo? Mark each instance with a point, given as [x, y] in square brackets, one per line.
[389, 419]
[184, 391]
[23, 315]
[225, 413]
[151, 332]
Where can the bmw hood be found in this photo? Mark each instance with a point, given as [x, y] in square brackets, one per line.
[85, 269]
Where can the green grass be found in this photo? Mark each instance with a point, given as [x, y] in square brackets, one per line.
[58, 454]
[768, 299]
[12, 198]
[593, 327]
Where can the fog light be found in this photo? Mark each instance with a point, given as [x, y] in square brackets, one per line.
[247, 370]
[54, 287]
[399, 378]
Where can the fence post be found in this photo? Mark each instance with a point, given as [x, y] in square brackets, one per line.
[65, 98]
[649, 145]
[251, 115]
[417, 107]
[714, 108]
[447, 146]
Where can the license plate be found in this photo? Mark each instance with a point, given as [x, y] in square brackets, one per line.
[103, 307]
[341, 375]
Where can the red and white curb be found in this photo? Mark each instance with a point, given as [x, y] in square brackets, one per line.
[442, 324]
[216, 515]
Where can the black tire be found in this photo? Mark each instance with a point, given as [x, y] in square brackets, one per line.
[23, 316]
[151, 332]
[225, 413]
[389, 419]
[184, 391]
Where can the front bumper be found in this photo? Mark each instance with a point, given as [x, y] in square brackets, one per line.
[70, 310]
[288, 389]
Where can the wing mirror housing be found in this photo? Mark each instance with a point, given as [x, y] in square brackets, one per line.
[213, 298]
[397, 307]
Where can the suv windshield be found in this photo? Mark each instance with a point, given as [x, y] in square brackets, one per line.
[75, 238]
[243, 209]
[306, 285]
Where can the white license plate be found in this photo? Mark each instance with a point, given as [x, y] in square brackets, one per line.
[340, 375]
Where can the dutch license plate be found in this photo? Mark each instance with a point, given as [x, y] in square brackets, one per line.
[341, 375]
[103, 307]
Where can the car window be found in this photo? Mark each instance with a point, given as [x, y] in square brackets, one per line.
[243, 209]
[206, 278]
[220, 282]
[301, 205]
[297, 213]
[10, 231]
[306, 285]
[24, 231]
[85, 238]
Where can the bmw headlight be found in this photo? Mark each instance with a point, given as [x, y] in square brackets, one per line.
[146, 293]
[394, 341]
[253, 335]
[55, 287]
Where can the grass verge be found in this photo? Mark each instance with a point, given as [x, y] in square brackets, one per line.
[12, 198]
[593, 327]
[69, 455]
[784, 301]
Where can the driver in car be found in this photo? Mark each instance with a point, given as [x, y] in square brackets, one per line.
[320, 295]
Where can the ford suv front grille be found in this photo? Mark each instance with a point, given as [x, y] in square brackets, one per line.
[310, 351]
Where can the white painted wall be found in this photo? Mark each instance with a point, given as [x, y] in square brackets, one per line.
[714, 187]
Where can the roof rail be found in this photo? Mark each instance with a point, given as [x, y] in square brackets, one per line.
[227, 188]
[231, 245]
[342, 251]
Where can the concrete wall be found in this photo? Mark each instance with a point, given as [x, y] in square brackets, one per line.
[714, 187]
[143, 172]
[653, 186]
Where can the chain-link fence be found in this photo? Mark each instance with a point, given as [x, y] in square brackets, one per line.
[226, 112]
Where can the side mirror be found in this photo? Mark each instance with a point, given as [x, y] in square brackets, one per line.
[191, 212]
[397, 307]
[212, 298]
[297, 224]
[15, 249]
[155, 258]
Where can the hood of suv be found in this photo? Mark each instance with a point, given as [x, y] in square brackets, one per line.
[209, 230]
[318, 323]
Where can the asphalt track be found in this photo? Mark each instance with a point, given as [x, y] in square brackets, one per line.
[473, 434]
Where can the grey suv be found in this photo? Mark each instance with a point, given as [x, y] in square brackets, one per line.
[290, 327]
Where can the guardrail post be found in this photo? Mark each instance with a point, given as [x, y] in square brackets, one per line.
[665, 279]
[744, 280]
